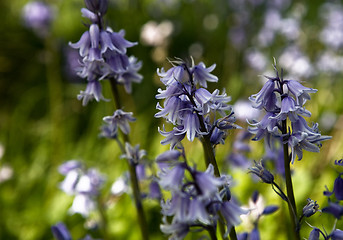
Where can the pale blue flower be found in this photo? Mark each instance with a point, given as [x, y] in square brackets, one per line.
[119, 119]
[207, 182]
[260, 99]
[173, 137]
[290, 110]
[232, 212]
[314, 234]
[202, 75]
[174, 74]
[172, 178]
[300, 92]
[93, 91]
[133, 154]
[337, 188]
[177, 231]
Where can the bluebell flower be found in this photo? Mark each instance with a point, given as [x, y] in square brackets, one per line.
[83, 204]
[168, 158]
[174, 74]
[300, 92]
[268, 125]
[202, 75]
[259, 170]
[83, 183]
[120, 185]
[310, 208]
[174, 89]
[336, 235]
[335, 209]
[242, 236]
[106, 131]
[133, 154]
[177, 206]
[232, 212]
[72, 170]
[171, 111]
[304, 137]
[38, 16]
[176, 230]
[191, 125]
[173, 137]
[217, 137]
[198, 212]
[90, 182]
[314, 234]
[270, 209]
[154, 190]
[131, 74]
[61, 232]
[339, 162]
[119, 119]
[93, 91]
[337, 188]
[172, 178]
[291, 110]
[264, 96]
[255, 234]
[114, 42]
[207, 182]
[70, 165]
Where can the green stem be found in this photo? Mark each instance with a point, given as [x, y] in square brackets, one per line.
[289, 186]
[233, 235]
[210, 158]
[212, 233]
[132, 170]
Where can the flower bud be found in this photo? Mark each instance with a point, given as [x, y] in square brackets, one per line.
[262, 173]
[310, 208]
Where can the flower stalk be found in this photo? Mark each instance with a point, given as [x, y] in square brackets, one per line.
[132, 171]
[289, 186]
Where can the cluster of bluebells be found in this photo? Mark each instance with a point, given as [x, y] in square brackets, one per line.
[84, 184]
[256, 211]
[284, 99]
[190, 107]
[103, 53]
[198, 199]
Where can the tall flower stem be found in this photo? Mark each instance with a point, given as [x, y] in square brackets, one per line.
[133, 174]
[210, 158]
[212, 233]
[289, 186]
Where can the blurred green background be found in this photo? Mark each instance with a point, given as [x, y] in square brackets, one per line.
[42, 124]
